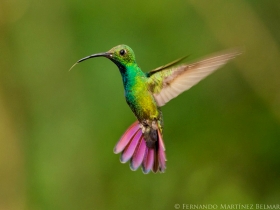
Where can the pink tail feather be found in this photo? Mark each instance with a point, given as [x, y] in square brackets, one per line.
[134, 148]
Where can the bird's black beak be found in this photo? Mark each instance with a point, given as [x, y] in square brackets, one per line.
[106, 54]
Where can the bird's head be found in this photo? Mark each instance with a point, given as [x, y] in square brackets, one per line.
[121, 55]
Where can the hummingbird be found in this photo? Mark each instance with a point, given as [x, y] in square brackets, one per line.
[145, 93]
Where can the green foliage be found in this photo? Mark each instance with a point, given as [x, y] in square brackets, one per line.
[58, 128]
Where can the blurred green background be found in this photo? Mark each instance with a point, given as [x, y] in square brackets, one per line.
[58, 128]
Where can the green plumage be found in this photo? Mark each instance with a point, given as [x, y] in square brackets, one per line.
[136, 86]
[138, 96]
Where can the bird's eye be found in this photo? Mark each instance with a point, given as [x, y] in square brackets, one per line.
[122, 52]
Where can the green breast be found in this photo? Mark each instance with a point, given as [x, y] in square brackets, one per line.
[137, 94]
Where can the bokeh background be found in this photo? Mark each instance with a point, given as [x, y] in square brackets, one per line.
[58, 128]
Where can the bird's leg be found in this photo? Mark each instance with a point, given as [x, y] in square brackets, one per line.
[149, 130]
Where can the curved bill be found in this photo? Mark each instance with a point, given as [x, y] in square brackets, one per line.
[106, 54]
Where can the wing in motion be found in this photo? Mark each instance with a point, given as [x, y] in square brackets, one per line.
[167, 82]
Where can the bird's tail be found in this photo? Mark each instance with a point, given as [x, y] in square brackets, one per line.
[133, 147]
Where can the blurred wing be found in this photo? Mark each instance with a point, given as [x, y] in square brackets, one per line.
[167, 83]
[173, 63]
